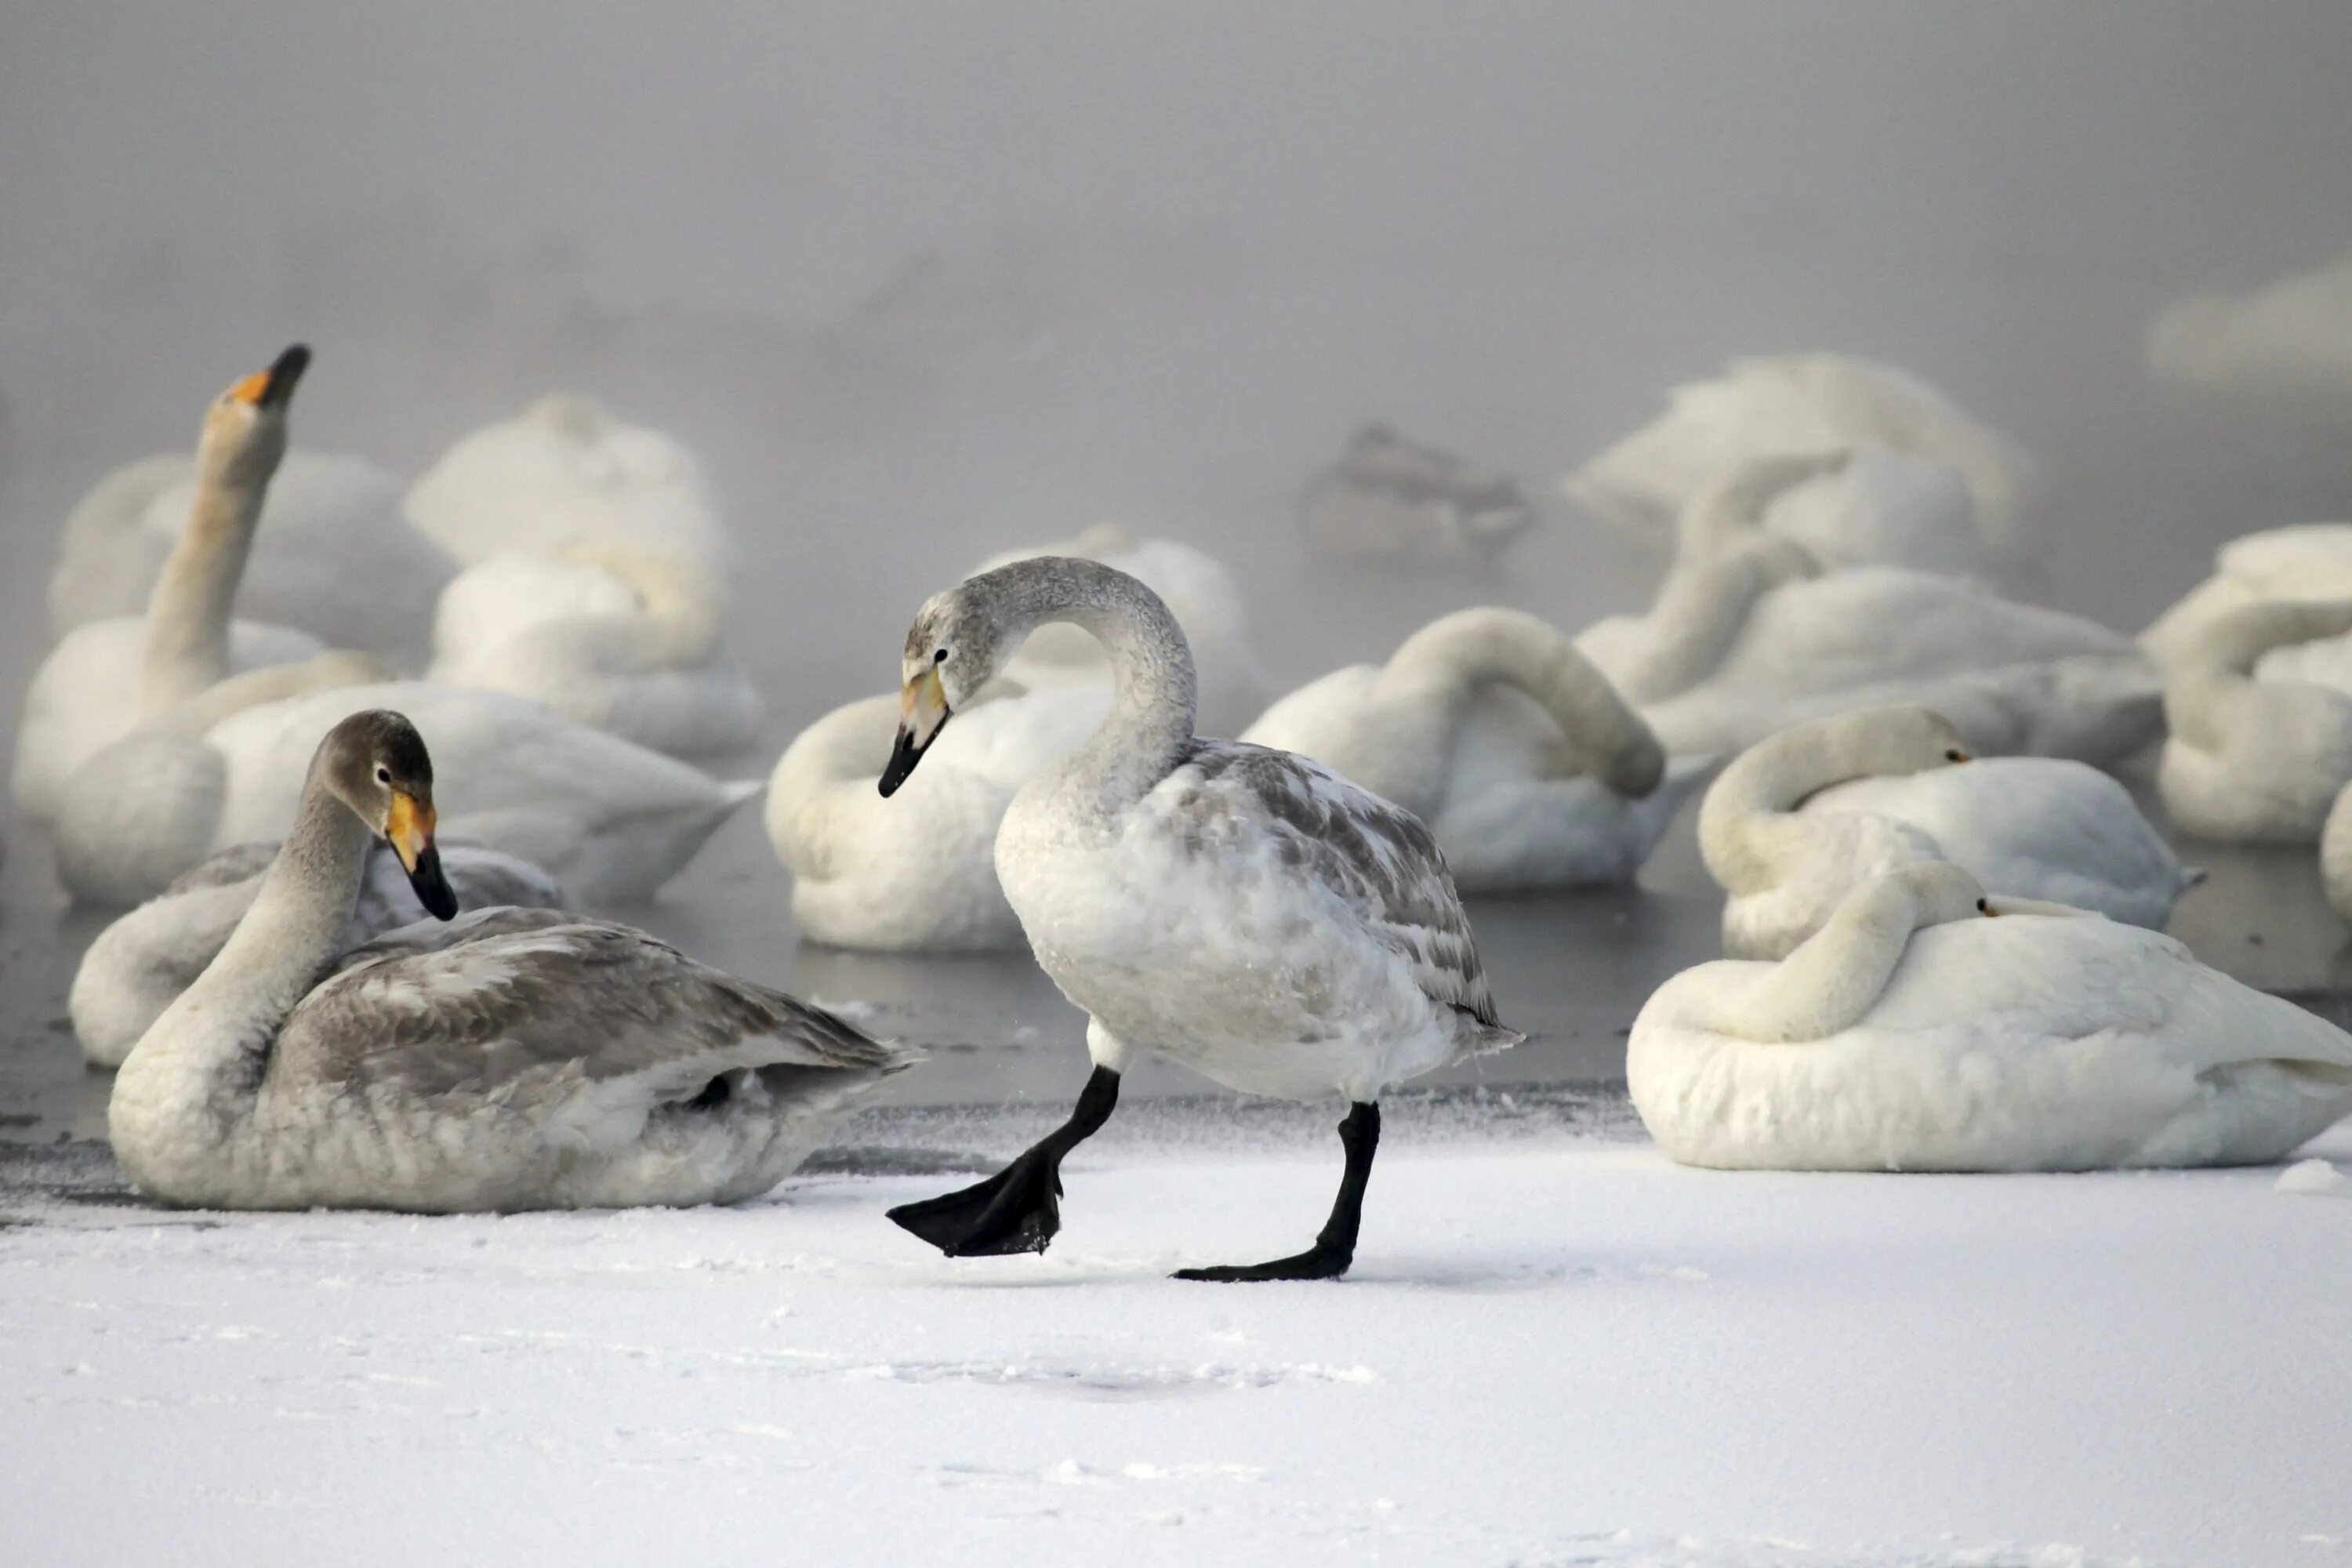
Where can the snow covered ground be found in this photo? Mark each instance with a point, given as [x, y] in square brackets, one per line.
[1556, 1348]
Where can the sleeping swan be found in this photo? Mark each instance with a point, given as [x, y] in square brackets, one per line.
[1802, 818]
[1911, 1034]
[511, 1059]
[2254, 758]
[2302, 561]
[1489, 726]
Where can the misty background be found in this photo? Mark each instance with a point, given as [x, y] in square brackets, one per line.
[923, 281]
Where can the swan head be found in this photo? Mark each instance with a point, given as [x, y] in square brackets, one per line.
[375, 762]
[1941, 892]
[1883, 741]
[244, 430]
[961, 636]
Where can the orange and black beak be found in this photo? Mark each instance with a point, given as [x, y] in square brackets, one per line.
[923, 712]
[274, 387]
[409, 827]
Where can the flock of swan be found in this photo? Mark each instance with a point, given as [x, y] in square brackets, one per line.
[353, 972]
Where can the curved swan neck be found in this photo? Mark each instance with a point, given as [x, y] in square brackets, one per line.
[1729, 510]
[1458, 654]
[1750, 832]
[295, 928]
[187, 641]
[1149, 729]
[2218, 669]
[1700, 611]
[1834, 977]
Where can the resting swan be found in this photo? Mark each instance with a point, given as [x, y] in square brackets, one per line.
[511, 1059]
[1803, 817]
[2252, 758]
[564, 472]
[1239, 910]
[1910, 1034]
[1490, 727]
[1194, 585]
[104, 678]
[139, 965]
[860, 879]
[2303, 560]
[1787, 405]
[622, 640]
[611, 821]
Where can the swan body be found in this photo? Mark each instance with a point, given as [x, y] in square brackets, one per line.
[1194, 585]
[2293, 335]
[509, 1059]
[1490, 727]
[1909, 1034]
[1387, 496]
[621, 640]
[1788, 405]
[2302, 561]
[611, 821]
[860, 879]
[2252, 758]
[564, 472]
[139, 965]
[331, 557]
[1804, 817]
[1886, 508]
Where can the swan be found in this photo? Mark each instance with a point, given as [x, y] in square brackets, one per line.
[1910, 1034]
[565, 472]
[1803, 817]
[1874, 505]
[1241, 910]
[102, 679]
[2294, 335]
[609, 820]
[1794, 403]
[621, 639]
[330, 558]
[1387, 496]
[860, 879]
[2336, 855]
[1490, 727]
[510, 1060]
[2255, 760]
[2302, 561]
[1194, 585]
[137, 965]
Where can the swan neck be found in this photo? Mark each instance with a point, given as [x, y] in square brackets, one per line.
[1698, 613]
[1833, 978]
[188, 638]
[1150, 728]
[2218, 673]
[1750, 833]
[1459, 654]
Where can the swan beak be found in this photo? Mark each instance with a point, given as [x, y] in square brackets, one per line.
[274, 387]
[409, 827]
[923, 712]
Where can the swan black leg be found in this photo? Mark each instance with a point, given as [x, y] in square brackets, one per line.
[1018, 1208]
[1335, 1249]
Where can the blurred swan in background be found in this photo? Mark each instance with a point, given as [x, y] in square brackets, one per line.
[1797, 405]
[2254, 757]
[1803, 817]
[1387, 496]
[564, 472]
[139, 964]
[1194, 585]
[861, 878]
[1911, 1034]
[104, 676]
[2301, 561]
[1490, 727]
[2294, 335]
[618, 638]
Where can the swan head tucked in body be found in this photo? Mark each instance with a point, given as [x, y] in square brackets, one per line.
[375, 763]
[244, 430]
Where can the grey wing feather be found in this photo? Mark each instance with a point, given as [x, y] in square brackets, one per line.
[237, 863]
[506, 999]
[1379, 857]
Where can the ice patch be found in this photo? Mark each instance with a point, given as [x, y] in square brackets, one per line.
[2313, 1179]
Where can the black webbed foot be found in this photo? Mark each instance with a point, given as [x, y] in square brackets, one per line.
[1016, 1210]
[1315, 1263]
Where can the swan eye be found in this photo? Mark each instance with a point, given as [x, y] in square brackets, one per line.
[1956, 756]
[940, 657]
[1983, 907]
[384, 776]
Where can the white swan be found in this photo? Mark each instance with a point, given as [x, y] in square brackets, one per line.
[1490, 727]
[1803, 817]
[1241, 910]
[2302, 561]
[1387, 496]
[1194, 585]
[1910, 1034]
[565, 472]
[104, 678]
[2252, 758]
[1788, 405]
[2336, 855]
[513, 1059]
[2294, 335]
[139, 964]
[860, 877]
[622, 640]
[609, 820]
[330, 558]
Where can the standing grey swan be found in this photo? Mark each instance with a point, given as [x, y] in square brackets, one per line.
[513, 1059]
[1240, 910]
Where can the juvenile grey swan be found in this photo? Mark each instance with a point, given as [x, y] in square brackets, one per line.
[512, 1059]
[1240, 910]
